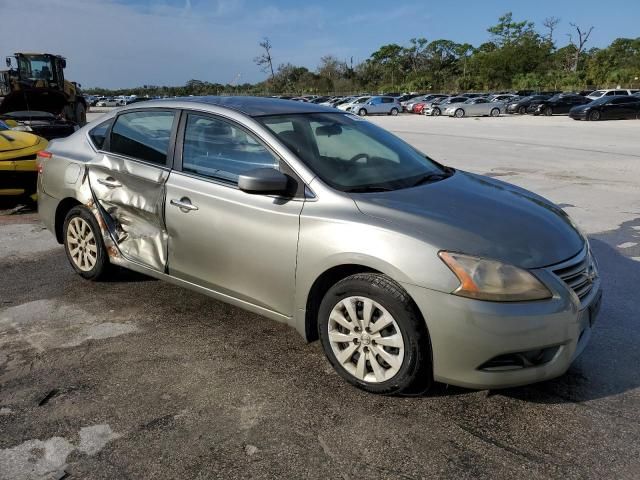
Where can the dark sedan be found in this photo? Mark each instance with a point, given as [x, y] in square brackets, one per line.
[520, 105]
[608, 108]
[558, 104]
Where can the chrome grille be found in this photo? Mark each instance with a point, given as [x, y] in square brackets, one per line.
[578, 273]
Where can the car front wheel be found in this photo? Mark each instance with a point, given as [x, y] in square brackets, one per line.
[436, 112]
[594, 116]
[362, 112]
[374, 337]
[459, 113]
[84, 246]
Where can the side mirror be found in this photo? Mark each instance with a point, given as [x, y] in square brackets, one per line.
[263, 181]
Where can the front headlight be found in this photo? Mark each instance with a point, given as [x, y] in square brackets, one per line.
[485, 279]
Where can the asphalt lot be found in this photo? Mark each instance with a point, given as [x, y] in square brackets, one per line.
[140, 379]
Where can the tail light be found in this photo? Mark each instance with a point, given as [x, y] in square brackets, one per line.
[42, 156]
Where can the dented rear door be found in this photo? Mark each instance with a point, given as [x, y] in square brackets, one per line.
[128, 183]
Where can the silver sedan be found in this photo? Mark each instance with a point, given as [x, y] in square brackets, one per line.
[407, 271]
[475, 107]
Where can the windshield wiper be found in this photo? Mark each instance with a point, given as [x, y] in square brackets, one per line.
[431, 177]
[369, 188]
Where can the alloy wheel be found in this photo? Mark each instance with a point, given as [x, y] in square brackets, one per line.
[365, 339]
[81, 243]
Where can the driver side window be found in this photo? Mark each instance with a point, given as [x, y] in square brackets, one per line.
[221, 150]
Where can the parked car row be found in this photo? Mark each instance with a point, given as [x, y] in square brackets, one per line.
[119, 101]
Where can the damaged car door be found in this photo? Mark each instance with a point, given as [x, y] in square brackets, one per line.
[128, 180]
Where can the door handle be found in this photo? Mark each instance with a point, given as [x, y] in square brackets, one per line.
[109, 182]
[183, 204]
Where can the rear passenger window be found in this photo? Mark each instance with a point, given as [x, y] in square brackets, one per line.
[387, 100]
[218, 149]
[99, 134]
[143, 135]
[622, 92]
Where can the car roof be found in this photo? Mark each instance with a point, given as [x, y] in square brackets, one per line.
[251, 106]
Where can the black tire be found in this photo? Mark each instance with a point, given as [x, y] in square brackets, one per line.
[436, 112]
[548, 111]
[81, 114]
[362, 112]
[102, 268]
[459, 113]
[415, 374]
[594, 115]
[495, 112]
[394, 112]
[522, 110]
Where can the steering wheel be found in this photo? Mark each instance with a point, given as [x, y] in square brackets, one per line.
[357, 157]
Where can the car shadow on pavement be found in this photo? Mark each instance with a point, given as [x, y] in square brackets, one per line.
[123, 275]
[609, 365]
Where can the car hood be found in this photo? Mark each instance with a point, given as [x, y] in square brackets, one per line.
[580, 108]
[479, 216]
[11, 140]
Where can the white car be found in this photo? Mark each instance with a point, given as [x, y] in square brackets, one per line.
[355, 102]
[475, 107]
[612, 92]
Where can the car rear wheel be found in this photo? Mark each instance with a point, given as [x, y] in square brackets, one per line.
[594, 115]
[83, 244]
[374, 337]
[495, 112]
[394, 111]
[459, 113]
[362, 112]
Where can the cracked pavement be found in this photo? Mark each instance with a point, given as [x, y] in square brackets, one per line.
[136, 378]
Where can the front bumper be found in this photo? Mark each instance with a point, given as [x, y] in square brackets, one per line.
[468, 335]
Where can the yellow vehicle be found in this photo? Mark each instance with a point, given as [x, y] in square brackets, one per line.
[18, 162]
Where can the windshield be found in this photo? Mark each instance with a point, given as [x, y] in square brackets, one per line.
[601, 101]
[351, 154]
[35, 67]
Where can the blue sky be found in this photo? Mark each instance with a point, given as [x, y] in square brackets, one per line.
[121, 43]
